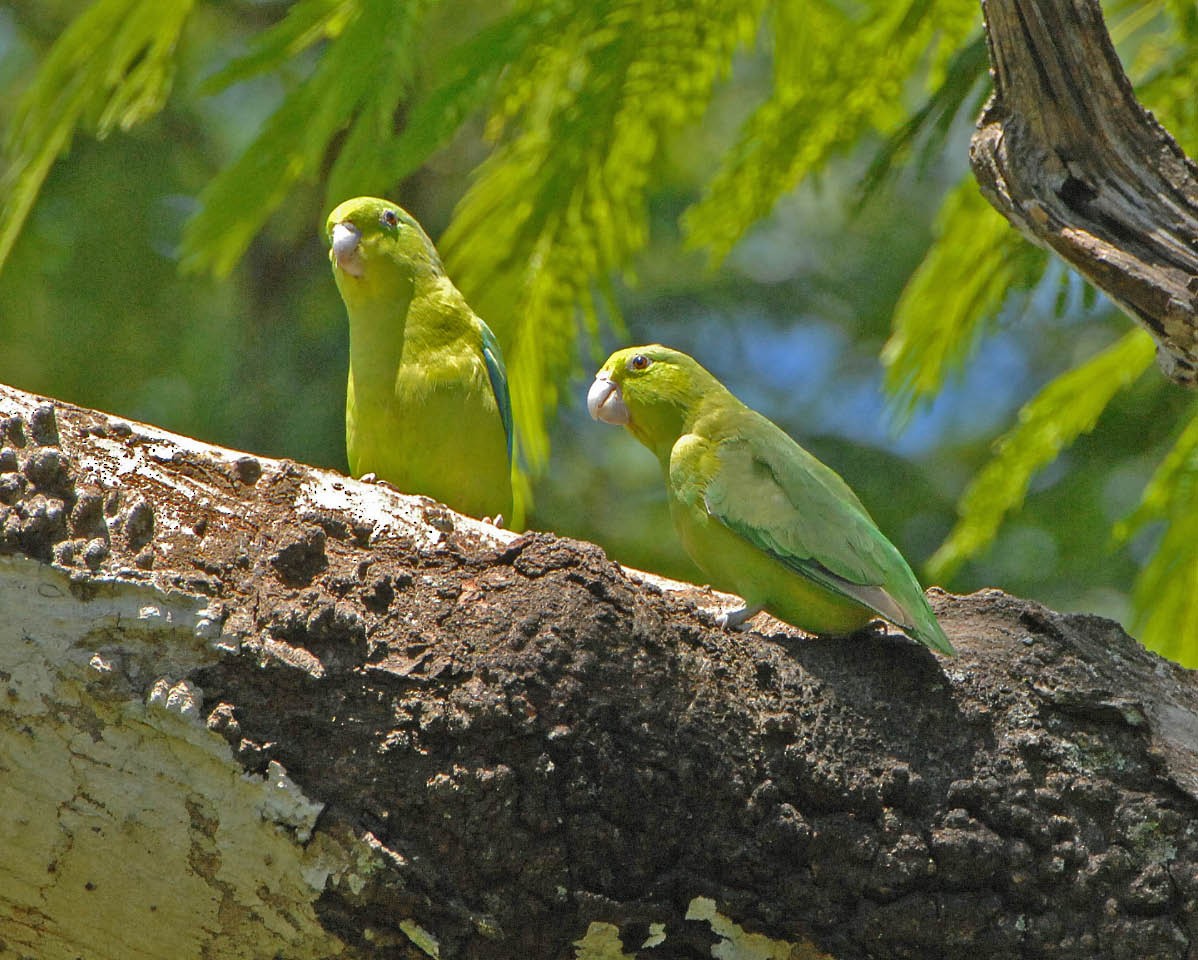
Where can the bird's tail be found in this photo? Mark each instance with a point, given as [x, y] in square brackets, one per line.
[931, 634]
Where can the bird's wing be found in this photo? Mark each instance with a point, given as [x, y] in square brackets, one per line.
[497, 373]
[781, 499]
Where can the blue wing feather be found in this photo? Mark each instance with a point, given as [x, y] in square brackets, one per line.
[497, 373]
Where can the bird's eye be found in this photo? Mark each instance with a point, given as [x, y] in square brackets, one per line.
[639, 361]
[389, 218]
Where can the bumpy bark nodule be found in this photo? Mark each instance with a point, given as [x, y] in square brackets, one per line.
[532, 738]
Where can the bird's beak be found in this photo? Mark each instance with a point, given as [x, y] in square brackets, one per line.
[605, 402]
[346, 252]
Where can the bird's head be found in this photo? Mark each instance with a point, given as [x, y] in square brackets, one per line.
[653, 390]
[377, 242]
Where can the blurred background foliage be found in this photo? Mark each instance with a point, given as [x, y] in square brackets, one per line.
[779, 187]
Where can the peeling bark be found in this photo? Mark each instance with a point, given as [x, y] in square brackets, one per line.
[1068, 155]
[252, 709]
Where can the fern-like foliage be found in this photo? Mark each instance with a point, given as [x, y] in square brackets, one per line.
[1168, 70]
[468, 75]
[840, 73]
[927, 345]
[1065, 409]
[967, 276]
[1166, 591]
[363, 73]
[977, 260]
[561, 203]
[307, 23]
[112, 68]
[924, 134]
[975, 263]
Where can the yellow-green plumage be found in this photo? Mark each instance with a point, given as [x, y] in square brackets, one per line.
[760, 515]
[427, 406]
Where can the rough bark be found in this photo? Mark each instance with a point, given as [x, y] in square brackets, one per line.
[1066, 153]
[252, 709]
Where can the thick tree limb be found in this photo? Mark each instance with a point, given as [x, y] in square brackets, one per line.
[1068, 155]
[251, 709]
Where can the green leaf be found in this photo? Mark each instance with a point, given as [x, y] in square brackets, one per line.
[928, 127]
[360, 75]
[307, 22]
[1165, 71]
[840, 72]
[1166, 591]
[1161, 492]
[1066, 408]
[469, 75]
[364, 164]
[562, 202]
[111, 68]
[968, 273]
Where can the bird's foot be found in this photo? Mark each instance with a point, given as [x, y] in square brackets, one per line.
[737, 619]
[873, 630]
[495, 521]
[378, 481]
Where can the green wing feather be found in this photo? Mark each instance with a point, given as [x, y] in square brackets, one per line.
[493, 357]
[777, 496]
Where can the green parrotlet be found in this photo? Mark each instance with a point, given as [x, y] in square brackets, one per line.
[760, 515]
[427, 406]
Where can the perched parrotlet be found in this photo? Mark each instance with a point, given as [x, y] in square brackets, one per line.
[760, 515]
[427, 407]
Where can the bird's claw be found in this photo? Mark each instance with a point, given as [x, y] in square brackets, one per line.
[378, 481]
[495, 521]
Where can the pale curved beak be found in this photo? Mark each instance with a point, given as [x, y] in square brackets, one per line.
[605, 403]
[345, 252]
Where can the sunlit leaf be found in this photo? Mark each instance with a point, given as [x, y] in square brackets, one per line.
[1166, 591]
[841, 72]
[355, 84]
[925, 131]
[1166, 73]
[111, 68]
[364, 164]
[467, 79]
[562, 202]
[967, 275]
[307, 22]
[1065, 409]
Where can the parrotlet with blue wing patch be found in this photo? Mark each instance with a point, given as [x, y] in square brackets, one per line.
[760, 515]
[427, 406]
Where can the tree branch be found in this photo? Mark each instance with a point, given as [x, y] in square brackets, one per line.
[1069, 156]
[252, 709]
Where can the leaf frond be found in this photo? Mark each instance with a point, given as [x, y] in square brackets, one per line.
[1066, 408]
[470, 73]
[561, 203]
[1161, 492]
[840, 72]
[1165, 71]
[975, 262]
[1165, 596]
[929, 126]
[307, 23]
[356, 82]
[112, 68]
